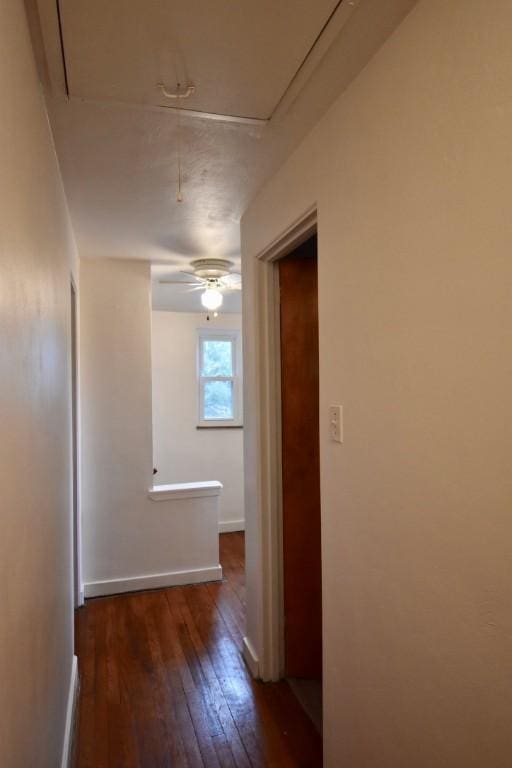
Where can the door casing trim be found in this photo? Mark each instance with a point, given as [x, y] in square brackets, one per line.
[76, 496]
[271, 660]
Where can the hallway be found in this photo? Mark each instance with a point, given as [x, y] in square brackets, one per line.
[163, 684]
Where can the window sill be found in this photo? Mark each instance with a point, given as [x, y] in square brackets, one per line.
[220, 426]
[177, 491]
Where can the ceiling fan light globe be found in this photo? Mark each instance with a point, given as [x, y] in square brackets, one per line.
[211, 299]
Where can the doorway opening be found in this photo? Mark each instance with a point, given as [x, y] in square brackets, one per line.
[300, 476]
[197, 390]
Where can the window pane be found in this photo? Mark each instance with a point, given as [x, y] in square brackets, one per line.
[218, 400]
[217, 357]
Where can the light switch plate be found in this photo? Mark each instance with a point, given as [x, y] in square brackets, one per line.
[336, 423]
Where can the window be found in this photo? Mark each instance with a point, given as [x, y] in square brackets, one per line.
[220, 388]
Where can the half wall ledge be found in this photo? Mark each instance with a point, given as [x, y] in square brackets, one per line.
[175, 491]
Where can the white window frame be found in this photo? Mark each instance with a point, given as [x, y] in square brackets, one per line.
[235, 337]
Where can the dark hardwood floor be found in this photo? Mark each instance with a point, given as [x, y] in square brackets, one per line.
[163, 684]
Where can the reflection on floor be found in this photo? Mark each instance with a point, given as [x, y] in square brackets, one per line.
[309, 694]
[163, 684]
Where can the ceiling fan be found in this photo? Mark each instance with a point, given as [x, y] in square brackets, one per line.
[212, 275]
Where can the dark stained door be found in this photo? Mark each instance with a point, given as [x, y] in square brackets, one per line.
[301, 462]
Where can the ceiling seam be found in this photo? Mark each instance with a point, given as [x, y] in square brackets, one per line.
[62, 49]
[306, 57]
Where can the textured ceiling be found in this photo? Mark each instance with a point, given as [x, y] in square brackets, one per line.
[118, 149]
[121, 171]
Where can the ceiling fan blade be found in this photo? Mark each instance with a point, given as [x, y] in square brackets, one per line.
[232, 280]
[191, 274]
[179, 282]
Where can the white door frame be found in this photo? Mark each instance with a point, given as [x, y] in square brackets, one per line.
[78, 588]
[271, 661]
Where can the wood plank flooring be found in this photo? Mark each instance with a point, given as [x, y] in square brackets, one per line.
[163, 684]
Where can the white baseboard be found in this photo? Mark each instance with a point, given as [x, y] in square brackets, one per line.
[154, 581]
[250, 658]
[231, 526]
[67, 748]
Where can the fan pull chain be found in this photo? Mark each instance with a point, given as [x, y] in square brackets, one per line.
[179, 196]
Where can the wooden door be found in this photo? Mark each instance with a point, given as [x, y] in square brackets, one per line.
[301, 462]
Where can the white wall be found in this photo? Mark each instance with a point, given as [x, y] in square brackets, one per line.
[182, 452]
[125, 535]
[37, 256]
[410, 170]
